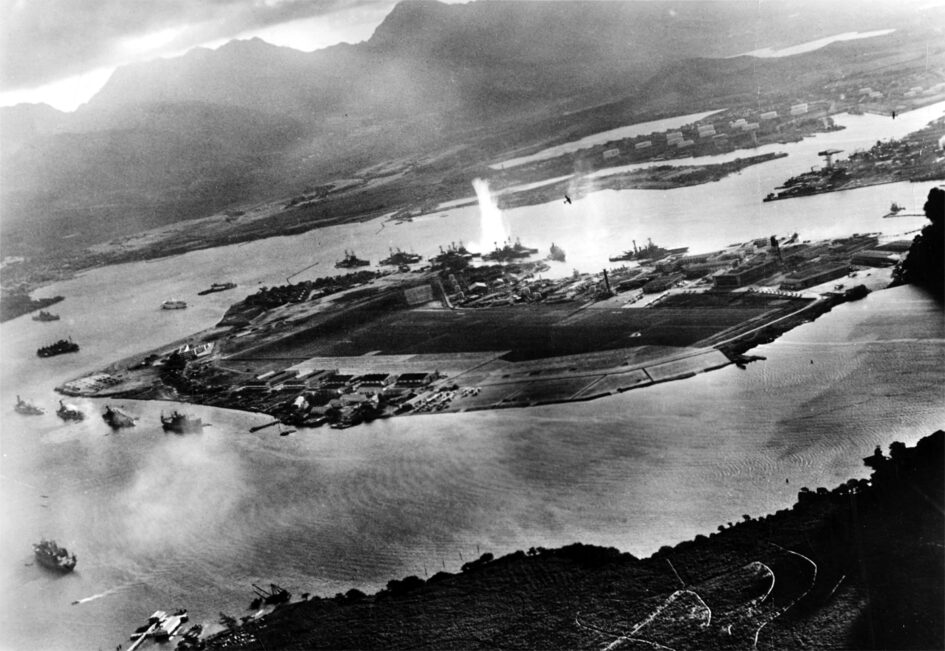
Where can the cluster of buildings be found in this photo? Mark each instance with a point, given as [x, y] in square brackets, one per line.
[886, 93]
[739, 128]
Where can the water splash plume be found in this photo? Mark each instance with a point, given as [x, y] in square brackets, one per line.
[493, 229]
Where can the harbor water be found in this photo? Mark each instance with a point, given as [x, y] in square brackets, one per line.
[160, 521]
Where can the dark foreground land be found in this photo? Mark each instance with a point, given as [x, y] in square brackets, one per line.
[860, 566]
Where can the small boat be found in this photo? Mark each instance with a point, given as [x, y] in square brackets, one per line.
[217, 287]
[895, 207]
[181, 424]
[61, 347]
[116, 418]
[53, 557]
[173, 305]
[27, 408]
[46, 316]
[69, 412]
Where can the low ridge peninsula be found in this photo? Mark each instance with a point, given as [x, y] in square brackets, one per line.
[859, 566]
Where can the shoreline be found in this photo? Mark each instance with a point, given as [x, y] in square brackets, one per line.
[778, 577]
[561, 379]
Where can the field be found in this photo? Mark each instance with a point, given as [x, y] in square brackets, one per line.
[527, 333]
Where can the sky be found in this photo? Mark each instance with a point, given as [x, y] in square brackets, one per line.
[61, 52]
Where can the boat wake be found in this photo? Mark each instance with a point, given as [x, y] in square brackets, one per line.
[108, 592]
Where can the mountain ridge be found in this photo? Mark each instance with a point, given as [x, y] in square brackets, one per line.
[431, 77]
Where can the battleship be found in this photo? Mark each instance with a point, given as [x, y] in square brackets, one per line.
[46, 316]
[399, 258]
[649, 252]
[351, 261]
[52, 556]
[216, 287]
[455, 255]
[61, 347]
[27, 408]
[116, 418]
[509, 251]
[181, 424]
[173, 304]
[557, 253]
[69, 412]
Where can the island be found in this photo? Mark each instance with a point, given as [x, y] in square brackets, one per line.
[917, 157]
[461, 334]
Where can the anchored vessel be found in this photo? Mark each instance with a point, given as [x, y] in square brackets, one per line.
[46, 316]
[181, 424]
[69, 412]
[453, 255]
[52, 556]
[116, 418]
[59, 348]
[649, 252]
[351, 261]
[398, 258]
[217, 287]
[510, 251]
[557, 253]
[27, 408]
[173, 305]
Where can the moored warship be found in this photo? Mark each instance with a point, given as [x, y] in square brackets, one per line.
[27, 408]
[116, 418]
[510, 251]
[398, 258]
[351, 261]
[181, 424]
[61, 347]
[69, 412]
[557, 253]
[46, 316]
[52, 556]
[649, 252]
[216, 287]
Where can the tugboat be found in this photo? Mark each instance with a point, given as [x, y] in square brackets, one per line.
[351, 261]
[27, 408]
[557, 253]
[398, 258]
[69, 412]
[46, 316]
[173, 304]
[61, 347]
[217, 287]
[53, 557]
[117, 419]
[181, 424]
